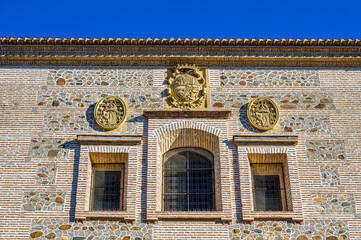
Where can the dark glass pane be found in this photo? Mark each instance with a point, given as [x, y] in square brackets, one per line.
[175, 202]
[267, 193]
[200, 181]
[177, 161]
[201, 202]
[106, 192]
[198, 161]
[175, 181]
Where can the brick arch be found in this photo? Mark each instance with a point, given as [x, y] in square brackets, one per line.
[187, 124]
[188, 134]
[194, 135]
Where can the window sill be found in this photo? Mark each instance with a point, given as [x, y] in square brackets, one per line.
[192, 215]
[263, 215]
[114, 215]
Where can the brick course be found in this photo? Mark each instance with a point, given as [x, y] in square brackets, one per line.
[36, 135]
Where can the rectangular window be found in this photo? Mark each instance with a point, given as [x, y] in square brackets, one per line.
[268, 187]
[107, 187]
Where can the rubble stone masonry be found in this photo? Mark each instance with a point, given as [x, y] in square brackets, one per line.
[44, 108]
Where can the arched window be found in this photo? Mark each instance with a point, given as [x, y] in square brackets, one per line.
[188, 183]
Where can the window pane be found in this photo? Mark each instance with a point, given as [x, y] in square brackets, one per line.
[176, 202]
[176, 181]
[106, 192]
[188, 182]
[200, 181]
[177, 161]
[198, 161]
[267, 193]
[201, 202]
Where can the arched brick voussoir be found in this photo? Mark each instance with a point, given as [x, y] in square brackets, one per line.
[186, 125]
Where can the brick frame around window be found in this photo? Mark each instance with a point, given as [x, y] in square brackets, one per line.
[107, 144]
[268, 144]
[198, 131]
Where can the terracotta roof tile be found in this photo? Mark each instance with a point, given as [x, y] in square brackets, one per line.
[179, 41]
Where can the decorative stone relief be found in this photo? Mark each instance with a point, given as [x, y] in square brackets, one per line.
[269, 230]
[47, 147]
[268, 78]
[310, 100]
[62, 229]
[262, 113]
[100, 77]
[337, 203]
[36, 201]
[186, 87]
[110, 112]
[330, 176]
[329, 150]
[83, 99]
[45, 174]
[82, 122]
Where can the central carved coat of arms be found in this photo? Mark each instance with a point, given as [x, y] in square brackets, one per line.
[186, 88]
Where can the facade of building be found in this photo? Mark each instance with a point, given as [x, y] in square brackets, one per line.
[180, 139]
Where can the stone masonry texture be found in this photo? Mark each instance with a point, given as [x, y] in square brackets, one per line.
[45, 108]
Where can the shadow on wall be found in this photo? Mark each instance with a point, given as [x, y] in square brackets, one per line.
[131, 122]
[143, 196]
[90, 118]
[73, 145]
[244, 121]
[237, 188]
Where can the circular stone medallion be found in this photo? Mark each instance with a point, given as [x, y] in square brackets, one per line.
[262, 113]
[110, 112]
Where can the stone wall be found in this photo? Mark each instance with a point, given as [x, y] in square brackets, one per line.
[339, 203]
[47, 147]
[43, 110]
[330, 175]
[304, 100]
[38, 201]
[100, 77]
[331, 150]
[112, 230]
[310, 230]
[136, 100]
[268, 78]
[46, 174]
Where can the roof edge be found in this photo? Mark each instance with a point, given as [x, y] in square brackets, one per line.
[179, 41]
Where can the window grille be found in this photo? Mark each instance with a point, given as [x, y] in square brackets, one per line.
[188, 181]
[268, 187]
[267, 193]
[107, 190]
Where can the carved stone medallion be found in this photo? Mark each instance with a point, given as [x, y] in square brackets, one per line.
[186, 87]
[263, 113]
[110, 112]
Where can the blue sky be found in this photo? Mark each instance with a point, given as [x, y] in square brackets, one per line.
[186, 18]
